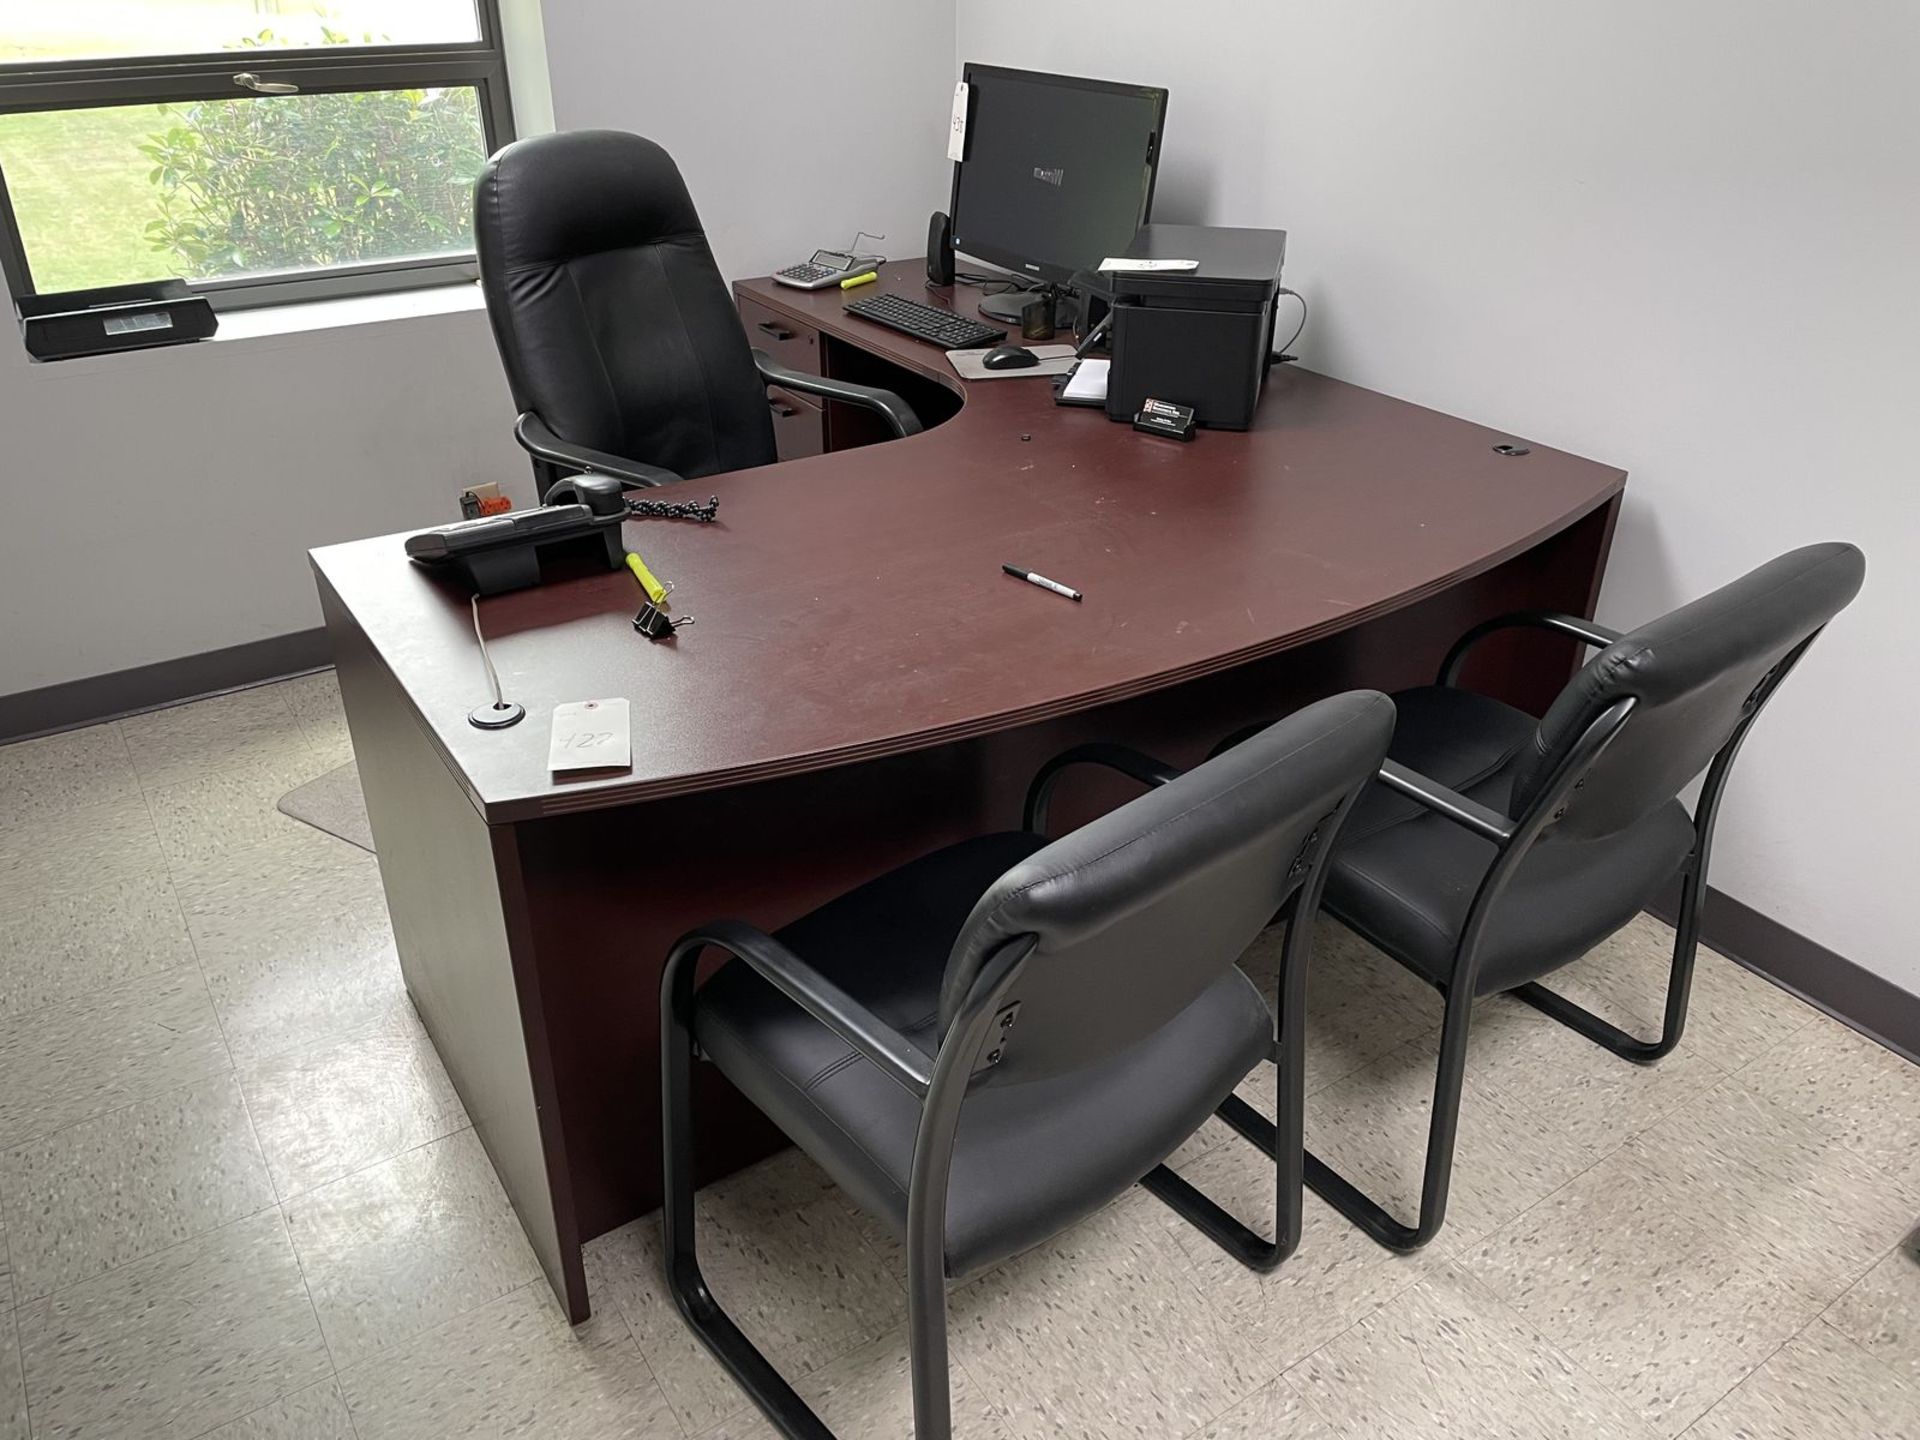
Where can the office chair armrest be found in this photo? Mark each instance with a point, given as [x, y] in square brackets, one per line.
[1131, 763]
[1483, 820]
[884, 403]
[898, 1057]
[541, 443]
[1589, 632]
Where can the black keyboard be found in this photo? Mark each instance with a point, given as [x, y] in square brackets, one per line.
[923, 322]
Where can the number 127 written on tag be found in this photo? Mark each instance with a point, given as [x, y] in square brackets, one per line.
[590, 735]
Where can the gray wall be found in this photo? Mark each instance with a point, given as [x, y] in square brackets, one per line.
[161, 504]
[792, 126]
[1679, 238]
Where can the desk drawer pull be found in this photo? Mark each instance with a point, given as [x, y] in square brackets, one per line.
[778, 332]
[783, 410]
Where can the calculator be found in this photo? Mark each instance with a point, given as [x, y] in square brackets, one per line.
[827, 267]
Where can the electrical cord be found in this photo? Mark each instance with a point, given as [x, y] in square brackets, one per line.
[1281, 354]
[502, 713]
[1012, 284]
[992, 284]
[493, 677]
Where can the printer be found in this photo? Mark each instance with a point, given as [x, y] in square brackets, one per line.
[1200, 337]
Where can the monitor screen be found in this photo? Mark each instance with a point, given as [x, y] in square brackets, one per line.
[1058, 172]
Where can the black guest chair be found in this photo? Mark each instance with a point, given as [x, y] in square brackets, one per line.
[1496, 848]
[991, 1042]
[621, 344]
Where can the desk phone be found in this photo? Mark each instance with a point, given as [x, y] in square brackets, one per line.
[827, 267]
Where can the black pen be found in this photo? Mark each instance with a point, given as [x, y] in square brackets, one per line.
[1043, 582]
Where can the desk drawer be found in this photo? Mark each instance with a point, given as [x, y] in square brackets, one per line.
[789, 342]
[799, 428]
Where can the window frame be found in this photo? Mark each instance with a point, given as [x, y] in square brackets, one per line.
[318, 70]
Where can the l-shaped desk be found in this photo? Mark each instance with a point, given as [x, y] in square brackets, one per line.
[863, 683]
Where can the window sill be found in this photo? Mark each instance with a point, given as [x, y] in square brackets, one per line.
[270, 327]
[269, 320]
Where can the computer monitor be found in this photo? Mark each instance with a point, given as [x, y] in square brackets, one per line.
[1057, 171]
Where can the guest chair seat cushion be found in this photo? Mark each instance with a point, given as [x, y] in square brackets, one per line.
[1404, 877]
[1030, 1158]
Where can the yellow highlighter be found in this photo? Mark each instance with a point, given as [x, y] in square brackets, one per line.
[866, 279]
[656, 592]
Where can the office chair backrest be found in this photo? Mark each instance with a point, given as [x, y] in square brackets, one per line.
[1133, 916]
[613, 323]
[1694, 676]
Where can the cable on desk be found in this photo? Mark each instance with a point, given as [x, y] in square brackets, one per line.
[502, 713]
[992, 284]
[493, 676]
[1281, 354]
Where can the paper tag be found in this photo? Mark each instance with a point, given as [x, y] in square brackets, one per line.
[1121, 265]
[957, 132]
[590, 735]
[1089, 381]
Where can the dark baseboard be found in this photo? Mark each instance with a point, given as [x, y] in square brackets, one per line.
[147, 687]
[1849, 992]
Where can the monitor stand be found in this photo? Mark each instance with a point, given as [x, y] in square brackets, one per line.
[1006, 306]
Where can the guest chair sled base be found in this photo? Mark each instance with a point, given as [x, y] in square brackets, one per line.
[989, 1043]
[1494, 849]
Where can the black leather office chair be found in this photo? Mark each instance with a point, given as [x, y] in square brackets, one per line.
[620, 340]
[1496, 849]
[991, 1042]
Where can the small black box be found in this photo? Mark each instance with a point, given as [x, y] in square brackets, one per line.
[69, 323]
[1199, 337]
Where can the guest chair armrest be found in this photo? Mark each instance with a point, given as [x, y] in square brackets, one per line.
[884, 403]
[898, 1057]
[1483, 820]
[1588, 632]
[541, 443]
[1131, 763]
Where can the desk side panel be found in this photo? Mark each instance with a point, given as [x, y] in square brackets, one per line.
[453, 889]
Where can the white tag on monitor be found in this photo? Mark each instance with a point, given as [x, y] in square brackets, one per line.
[590, 735]
[957, 131]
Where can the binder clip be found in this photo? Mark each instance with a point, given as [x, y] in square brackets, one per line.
[653, 623]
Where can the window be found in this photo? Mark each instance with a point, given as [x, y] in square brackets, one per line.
[262, 150]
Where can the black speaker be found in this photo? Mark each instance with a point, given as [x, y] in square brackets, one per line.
[939, 249]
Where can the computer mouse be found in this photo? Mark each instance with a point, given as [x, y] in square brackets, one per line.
[1009, 357]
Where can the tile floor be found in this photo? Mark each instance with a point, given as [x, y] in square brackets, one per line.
[239, 1198]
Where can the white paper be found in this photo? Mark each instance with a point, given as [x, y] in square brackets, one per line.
[590, 735]
[1120, 264]
[1089, 382]
[957, 130]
